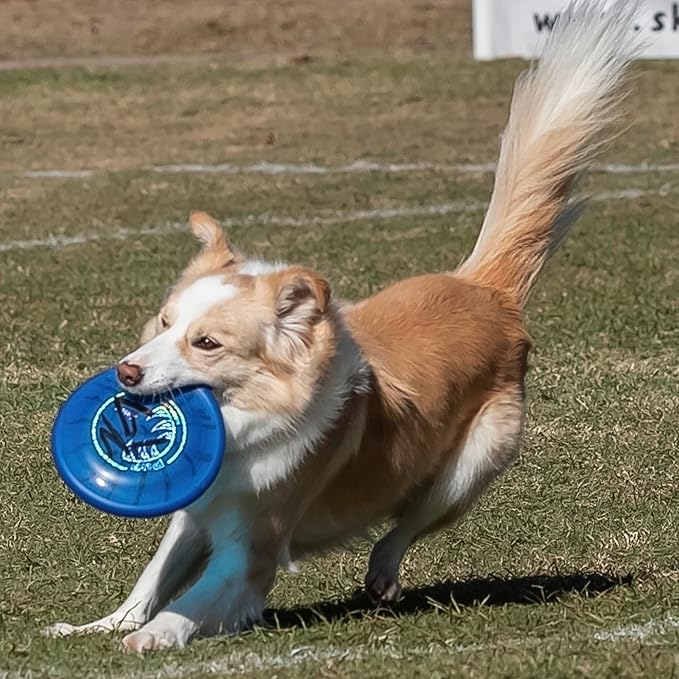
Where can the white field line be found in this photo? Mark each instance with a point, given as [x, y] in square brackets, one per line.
[339, 217]
[57, 174]
[240, 662]
[356, 167]
[639, 632]
[109, 61]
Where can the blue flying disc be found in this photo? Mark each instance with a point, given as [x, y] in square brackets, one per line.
[138, 456]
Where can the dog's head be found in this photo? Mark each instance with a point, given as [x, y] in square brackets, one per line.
[257, 333]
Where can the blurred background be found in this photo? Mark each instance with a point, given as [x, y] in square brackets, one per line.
[239, 29]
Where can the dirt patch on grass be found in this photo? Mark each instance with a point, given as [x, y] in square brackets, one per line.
[82, 28]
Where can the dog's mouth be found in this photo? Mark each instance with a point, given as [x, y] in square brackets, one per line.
[168, 387]
[140, 385]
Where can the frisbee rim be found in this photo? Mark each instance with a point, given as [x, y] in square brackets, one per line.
[153, 509]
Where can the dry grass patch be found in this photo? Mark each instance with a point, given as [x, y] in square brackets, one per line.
[77, 28]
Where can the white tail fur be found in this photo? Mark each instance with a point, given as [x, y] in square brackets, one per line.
[559, 118]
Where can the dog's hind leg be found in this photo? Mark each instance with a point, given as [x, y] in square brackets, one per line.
[488, 448]
[182, 546]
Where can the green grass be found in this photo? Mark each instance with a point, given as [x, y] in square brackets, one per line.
[577, 540]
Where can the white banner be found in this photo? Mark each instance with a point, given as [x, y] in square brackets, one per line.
[517, 28]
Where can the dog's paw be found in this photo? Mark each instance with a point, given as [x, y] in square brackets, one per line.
[166, 630]
[144, 641]
[59, 629]
[383, 588]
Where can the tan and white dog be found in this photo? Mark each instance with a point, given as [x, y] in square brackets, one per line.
[404, 406]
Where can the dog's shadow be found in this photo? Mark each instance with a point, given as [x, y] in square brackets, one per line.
[489, 591]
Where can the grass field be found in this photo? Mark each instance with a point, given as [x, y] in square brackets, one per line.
[570, 565]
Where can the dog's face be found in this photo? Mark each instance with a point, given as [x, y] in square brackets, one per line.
[256, 333]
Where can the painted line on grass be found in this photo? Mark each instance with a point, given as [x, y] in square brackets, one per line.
[339, 217]
[267, 168]
[57, 174]
[61, 241]
[355, 167]
[240, 662]
[109, 61]
[640, 632]
[364, 166]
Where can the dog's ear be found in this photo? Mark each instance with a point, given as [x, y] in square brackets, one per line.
[207, 230]
[217, 251]
[301, 299]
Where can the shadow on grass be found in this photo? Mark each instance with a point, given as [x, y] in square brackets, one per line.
[491, 591]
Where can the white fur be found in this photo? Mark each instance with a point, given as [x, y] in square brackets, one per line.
[267, 448]
[277, 460]
[176, 555]
[200, 297]
[257, 267]
[497, 428]
[164, 366]
[220, 600]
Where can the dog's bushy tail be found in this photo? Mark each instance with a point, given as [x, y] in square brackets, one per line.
[560, 116]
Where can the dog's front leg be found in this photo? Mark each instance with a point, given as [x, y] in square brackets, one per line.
[182, 546]
[228, 596]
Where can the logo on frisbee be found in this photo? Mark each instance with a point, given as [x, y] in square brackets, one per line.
[132, 436]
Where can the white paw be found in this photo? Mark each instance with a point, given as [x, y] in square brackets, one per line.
[59, 629]
[166, 630]
[143, 641]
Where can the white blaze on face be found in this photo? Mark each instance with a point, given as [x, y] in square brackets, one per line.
[161, 360]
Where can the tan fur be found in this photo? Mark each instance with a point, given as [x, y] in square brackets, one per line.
[439, 349]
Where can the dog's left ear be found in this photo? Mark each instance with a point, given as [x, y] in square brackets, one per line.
[302, 297]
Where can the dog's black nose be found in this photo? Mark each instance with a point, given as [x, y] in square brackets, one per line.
[129, 374]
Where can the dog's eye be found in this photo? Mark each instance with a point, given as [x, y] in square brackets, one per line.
[206, 343]
[163, 323]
